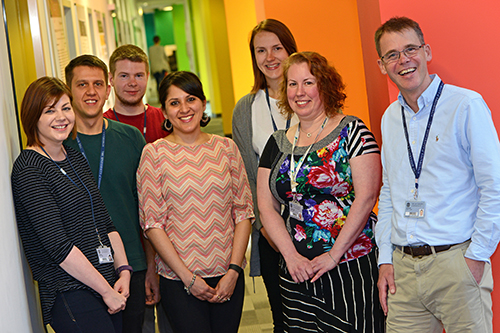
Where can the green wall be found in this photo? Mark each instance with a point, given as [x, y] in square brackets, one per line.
[149, 25]
[164, 26]
[179, 33]
[170, 27]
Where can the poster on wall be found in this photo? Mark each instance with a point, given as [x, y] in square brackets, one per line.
[102, 35]
[58, 37]
[82, 31]
[84, 39]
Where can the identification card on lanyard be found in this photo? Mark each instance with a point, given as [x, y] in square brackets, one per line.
[104, 254]
[296, 210]
[415, 208]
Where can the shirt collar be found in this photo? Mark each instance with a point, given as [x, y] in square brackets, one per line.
[427, 96]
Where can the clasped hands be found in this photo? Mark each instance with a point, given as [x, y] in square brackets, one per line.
[302, 269]
[220, 294]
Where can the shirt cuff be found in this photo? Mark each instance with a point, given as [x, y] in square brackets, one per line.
[475, 252]
[385, 254]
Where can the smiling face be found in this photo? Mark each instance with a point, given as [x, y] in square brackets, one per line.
[90, 91]
[410, 75]
[130, 81]
[184, 111]
[302, 92]
[56, 122]
[269, 53]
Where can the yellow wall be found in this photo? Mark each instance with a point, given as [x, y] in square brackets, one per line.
[201, 46]
[211, 40]
[240, 20]
[21, 44]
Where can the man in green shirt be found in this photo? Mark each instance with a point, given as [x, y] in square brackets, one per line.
[113, 151]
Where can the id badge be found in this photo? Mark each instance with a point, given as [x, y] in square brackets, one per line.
[296, 210]
[415, 209]
[104, 254]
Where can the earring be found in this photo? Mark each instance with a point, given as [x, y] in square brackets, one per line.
[204, 120]
[167, 125]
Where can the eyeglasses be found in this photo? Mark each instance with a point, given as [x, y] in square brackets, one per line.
[410, 51]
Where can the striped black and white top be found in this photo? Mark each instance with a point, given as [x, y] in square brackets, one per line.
[53, 215]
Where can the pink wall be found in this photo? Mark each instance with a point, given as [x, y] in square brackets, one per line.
[463, 36]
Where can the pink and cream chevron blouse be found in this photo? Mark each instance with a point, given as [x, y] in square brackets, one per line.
[197, 194]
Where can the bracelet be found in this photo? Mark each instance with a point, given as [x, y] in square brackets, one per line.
[335, 261]
[124, 268]
[236, 268]
[188, 288]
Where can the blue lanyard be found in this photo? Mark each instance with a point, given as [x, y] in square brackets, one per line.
[417, 170]
[101, 162]
[271, 113]
[145, 115]
[85, 187]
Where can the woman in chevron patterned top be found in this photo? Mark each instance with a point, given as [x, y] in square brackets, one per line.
[196, 209]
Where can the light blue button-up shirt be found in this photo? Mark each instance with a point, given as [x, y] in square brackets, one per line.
[460, 179]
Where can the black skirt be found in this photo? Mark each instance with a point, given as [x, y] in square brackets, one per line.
[344, 299]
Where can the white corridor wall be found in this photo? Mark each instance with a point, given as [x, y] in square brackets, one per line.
[15, 277]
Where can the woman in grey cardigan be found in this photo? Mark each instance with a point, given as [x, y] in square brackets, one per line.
[255, 117]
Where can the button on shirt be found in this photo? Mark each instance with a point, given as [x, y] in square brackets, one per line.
[460, 179]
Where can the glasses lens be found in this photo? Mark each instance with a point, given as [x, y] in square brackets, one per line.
[411, 51]
[390, 57]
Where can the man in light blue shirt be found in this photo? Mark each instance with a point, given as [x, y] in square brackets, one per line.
[439, 207]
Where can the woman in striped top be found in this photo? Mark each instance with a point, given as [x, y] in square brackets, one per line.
[196, 209]
[317, 184]
[67, 234]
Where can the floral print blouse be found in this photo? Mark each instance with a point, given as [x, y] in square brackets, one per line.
[325, 188]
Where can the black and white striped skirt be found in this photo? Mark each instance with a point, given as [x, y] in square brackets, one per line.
[344, 299]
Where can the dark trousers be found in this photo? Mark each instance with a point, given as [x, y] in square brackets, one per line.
[269, 268]
[159, 77]
[133, 315]
[80, 311]
[187, 313]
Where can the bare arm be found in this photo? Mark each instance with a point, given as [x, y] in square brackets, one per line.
[264, 233]
[151, 283]
[122, 285]
[366, 177]
[300, 268]
[78, 266]
[163, 246]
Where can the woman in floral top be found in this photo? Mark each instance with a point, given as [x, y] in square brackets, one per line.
[318, 210]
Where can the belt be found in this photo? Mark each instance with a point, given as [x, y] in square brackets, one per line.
[423, 250]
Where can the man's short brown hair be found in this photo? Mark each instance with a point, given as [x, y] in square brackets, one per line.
[128, 52]
[397, 24]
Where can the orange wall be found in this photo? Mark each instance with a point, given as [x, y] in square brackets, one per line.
[462, 36]
[376, 84]
[332, 29]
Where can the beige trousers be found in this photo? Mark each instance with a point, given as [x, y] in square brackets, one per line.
[438, 291]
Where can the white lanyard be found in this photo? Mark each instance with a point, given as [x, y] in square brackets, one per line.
[293, 174]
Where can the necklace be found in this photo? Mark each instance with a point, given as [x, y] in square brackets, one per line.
[309, 134]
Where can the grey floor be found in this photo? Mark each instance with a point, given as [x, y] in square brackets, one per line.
[256, 315]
